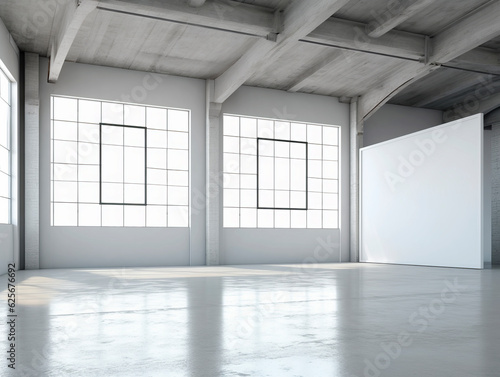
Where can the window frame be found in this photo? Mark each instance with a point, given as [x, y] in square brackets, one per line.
[274, 177]
[101, 124]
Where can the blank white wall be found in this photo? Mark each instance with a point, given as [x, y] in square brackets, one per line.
[249, 246]
[393, 121]
[9, 234]
[422, 197]
[63, 247]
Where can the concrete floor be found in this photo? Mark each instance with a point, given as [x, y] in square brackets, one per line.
[348, 320]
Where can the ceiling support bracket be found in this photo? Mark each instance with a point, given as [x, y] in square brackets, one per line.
[427, 50]
[277, 26]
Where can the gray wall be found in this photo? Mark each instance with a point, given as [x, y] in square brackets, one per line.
[62, 247]
[495, 224]
[249, 246]
[106, 247]
[393, 121]
[114, 247]
[9, 234]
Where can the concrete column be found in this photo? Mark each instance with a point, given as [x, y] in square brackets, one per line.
[214, 177]
[487, 197]
[495, 193]
[32, 161]
[356, 142]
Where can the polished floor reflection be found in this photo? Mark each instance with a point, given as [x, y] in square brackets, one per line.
[346, 320]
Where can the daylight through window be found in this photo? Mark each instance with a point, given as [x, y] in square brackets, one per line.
[5, 149]
[280, 174]
[118, 164]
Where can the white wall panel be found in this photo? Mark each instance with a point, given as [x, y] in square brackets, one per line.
[422, 197]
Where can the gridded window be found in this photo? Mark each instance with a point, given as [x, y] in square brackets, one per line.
[5, 151]
[118, 164]
[280, 174]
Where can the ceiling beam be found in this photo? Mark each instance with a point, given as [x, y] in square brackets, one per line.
[327, 63]
[73, 15]
[480, 58]
[229, 16]
[398, 44]
[261, 22]
[408, 9]
[467, 34]
[379, 95]
[299, 19]
[196, 3]
[463, 36]
[333, 32]
[354, 35]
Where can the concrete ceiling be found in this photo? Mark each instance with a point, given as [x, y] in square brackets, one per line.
[424, 53]
[127, 41]
[429, 21]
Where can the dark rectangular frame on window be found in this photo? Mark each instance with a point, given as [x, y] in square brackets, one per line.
[145, 164]
[307, 173]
